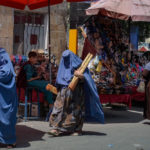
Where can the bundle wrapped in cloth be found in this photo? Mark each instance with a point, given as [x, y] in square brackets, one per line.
[75, 79]
[51, 88]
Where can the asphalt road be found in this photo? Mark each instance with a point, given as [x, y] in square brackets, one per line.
[123, 130]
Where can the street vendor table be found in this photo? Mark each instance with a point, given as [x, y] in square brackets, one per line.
[136, 95]
[34, 96]
[116, 98]
[123, 98]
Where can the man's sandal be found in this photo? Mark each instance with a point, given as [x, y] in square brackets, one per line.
[54, 132]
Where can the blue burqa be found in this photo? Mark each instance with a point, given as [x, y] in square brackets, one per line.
[8, 100]
[68, 64]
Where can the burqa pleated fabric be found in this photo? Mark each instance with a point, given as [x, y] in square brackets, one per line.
[68, 64]
[8, 100]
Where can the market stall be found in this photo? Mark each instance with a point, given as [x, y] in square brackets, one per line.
[116, 70]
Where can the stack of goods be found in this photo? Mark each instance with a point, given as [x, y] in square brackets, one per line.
[112, 77]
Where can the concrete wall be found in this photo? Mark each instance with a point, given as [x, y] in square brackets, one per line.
[58, 28]
[6, 28]
[59, 17]
[77, 14]
[77, 18]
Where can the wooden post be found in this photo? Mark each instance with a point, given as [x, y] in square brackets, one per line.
[73, 40]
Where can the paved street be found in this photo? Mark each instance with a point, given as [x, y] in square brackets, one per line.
[124, 130]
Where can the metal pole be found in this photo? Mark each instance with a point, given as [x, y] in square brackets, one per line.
[49, 41]
[129, 34]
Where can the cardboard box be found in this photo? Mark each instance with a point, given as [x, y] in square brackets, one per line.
[34, 110]
[21, 110]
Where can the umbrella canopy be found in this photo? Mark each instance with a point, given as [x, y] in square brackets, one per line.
[137, 10]
[32, 4]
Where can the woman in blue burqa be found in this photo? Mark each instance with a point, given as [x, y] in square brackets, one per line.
[71, 108]
[8, 101]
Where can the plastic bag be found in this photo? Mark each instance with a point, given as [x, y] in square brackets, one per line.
[141, 87]
[99, 67]
[96, 60]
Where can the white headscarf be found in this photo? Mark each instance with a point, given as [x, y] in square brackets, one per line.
[147, 66]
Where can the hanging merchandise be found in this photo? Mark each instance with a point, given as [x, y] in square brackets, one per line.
[141, 87]
[114, 68]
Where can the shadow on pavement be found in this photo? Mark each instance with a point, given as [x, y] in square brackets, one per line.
[84, 133]
[132, 115]
[147, 123]
[25, 135]
[93, 133]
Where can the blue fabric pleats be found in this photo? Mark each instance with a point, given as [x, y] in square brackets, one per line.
[8, 100]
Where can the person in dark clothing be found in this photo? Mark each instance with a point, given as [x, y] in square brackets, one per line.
[146, 75]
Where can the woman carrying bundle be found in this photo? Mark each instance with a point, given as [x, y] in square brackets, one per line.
[71, 107]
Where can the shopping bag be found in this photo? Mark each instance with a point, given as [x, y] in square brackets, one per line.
[141, 87]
